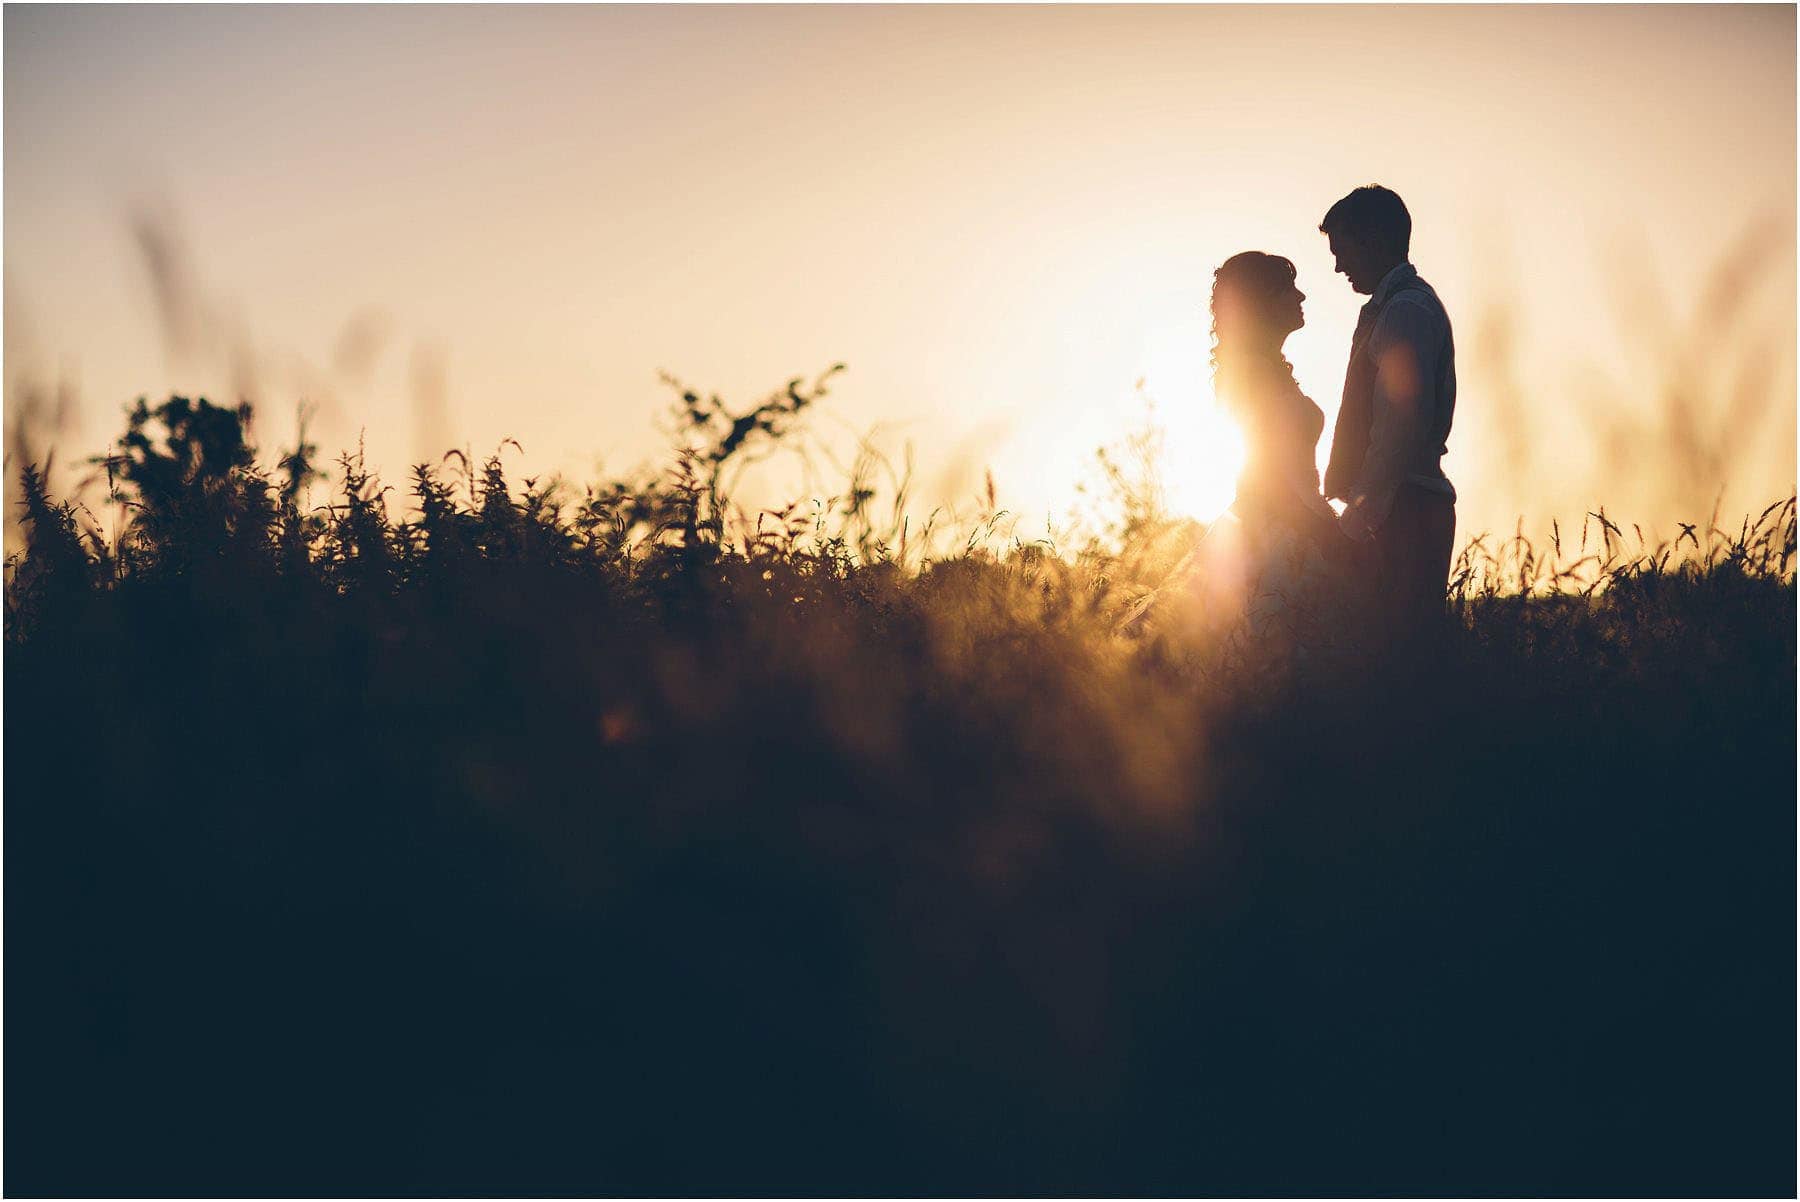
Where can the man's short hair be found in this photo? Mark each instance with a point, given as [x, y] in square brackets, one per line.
[1374, 214]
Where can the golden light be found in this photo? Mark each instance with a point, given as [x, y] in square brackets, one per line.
[1203, 450]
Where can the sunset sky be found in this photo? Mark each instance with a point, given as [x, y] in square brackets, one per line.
[453, 225]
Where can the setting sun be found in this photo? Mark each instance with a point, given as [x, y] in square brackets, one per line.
[1203, 449]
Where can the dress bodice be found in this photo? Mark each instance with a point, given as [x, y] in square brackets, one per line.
[1281, 428]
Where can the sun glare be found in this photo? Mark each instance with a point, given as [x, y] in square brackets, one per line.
[1203, 450]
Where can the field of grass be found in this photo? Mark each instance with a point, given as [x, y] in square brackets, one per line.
[477, 839]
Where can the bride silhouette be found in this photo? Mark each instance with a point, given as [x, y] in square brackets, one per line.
[1279, 540]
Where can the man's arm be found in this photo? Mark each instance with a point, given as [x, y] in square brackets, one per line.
[1400, 345]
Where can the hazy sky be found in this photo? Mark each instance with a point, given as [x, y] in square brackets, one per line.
[452, 225]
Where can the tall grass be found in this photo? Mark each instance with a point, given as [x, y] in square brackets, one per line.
[490, 837]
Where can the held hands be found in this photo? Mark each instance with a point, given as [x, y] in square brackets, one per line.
[1339, 546]
[1347, 543]
[1353, 525]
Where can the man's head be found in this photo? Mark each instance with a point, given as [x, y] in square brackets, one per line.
[1370, 232]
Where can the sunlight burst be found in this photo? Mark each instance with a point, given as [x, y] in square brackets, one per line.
[1203, 450]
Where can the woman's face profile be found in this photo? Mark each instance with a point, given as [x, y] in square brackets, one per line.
[1290, 313]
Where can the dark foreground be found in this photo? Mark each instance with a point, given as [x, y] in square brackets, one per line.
[533, 878]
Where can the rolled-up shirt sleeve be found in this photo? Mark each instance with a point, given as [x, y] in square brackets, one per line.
[1402, 346]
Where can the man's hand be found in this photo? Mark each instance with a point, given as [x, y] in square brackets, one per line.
[1352, 525]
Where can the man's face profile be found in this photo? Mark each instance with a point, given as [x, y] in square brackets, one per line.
[1354, 260]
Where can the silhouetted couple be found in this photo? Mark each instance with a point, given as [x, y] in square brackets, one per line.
[1391, 546]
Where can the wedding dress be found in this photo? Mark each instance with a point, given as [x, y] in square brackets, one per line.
[1266, 562]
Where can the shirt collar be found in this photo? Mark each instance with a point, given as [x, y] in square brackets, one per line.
[1397, 275]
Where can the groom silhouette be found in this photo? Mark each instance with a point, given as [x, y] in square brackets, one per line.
[1399, 398]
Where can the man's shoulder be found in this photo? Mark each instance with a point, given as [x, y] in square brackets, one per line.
[1416, 291]
[1413, 303]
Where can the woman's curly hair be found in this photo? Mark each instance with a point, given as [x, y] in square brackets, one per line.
[1256, 280]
